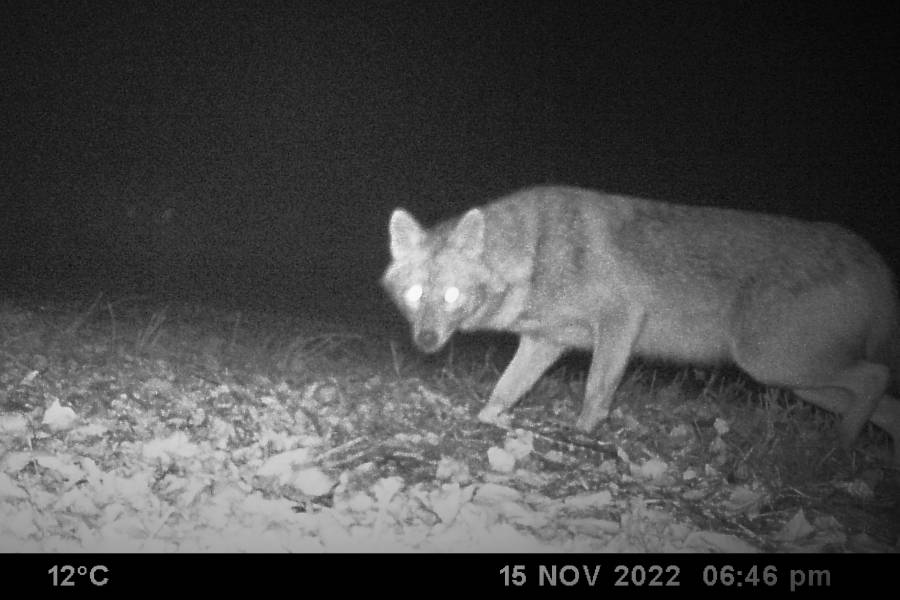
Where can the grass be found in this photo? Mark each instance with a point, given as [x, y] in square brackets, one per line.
[177, 396]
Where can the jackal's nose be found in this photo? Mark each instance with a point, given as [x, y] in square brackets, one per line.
[428, 340]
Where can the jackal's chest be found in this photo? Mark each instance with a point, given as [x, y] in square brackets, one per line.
[662, 334]
[571, 333]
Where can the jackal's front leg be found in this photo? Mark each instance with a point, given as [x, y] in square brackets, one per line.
[614, 339]
[532, 358]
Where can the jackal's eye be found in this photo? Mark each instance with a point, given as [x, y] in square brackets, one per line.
[451, 294]
[413, 294]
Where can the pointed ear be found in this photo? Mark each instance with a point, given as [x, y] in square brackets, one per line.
[406, 234]
[468, 236]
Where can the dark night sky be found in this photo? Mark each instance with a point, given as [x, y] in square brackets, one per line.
[221, 151]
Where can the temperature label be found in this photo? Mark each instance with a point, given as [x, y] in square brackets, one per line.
[69, 576]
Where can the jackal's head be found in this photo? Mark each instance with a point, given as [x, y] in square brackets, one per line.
[438, 277]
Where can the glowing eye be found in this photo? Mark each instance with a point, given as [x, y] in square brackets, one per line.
[451, 295]
[413, 294]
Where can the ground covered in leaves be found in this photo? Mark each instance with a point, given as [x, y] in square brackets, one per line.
[128, 425]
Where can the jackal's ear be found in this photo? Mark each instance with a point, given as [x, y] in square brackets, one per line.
[468, 236]
[406, 234]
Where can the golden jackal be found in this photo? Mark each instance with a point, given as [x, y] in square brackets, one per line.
[807, 306]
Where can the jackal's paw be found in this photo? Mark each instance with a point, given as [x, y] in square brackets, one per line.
[494, 415]
[587, 422]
